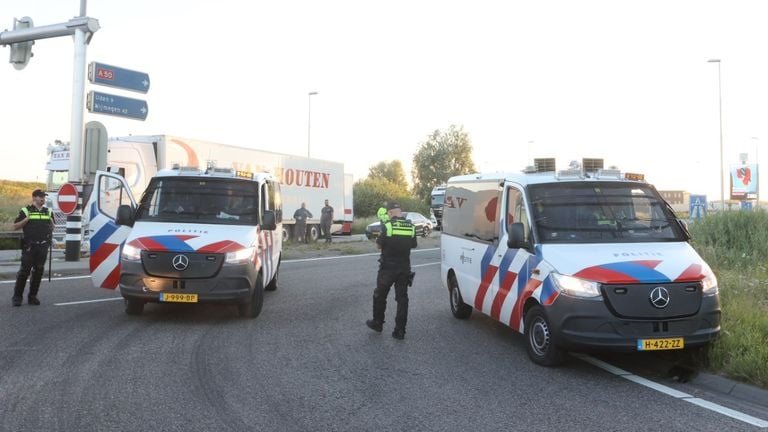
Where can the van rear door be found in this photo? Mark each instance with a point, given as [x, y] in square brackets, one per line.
[106, 237]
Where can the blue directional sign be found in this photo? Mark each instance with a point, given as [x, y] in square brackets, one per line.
[105, 103]
[113, 76]
[698, 206]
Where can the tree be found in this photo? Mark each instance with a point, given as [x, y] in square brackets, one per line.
[371, 192]
[442, 156]
[392, 171]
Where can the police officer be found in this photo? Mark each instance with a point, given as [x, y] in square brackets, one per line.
[301, 215]
[37, 222]
[397, 238]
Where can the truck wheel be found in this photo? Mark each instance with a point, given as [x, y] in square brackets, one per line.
[313, 233]
[273, 284]
[286, 234]
[251, 308]
[539, 339]
[134, 307]
[459, 309]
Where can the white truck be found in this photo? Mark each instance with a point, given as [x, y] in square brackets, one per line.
[140, 157]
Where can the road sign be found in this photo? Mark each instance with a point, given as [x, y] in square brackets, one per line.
[105, 103]
[67, 198]
[113, 76]
[698, 206]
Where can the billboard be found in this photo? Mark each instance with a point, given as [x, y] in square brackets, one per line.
[743, 181]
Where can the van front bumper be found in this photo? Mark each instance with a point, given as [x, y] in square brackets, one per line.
[231, 284]
[579, 323]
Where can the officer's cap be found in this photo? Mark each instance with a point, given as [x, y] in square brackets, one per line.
[39, 193]
[393, 205]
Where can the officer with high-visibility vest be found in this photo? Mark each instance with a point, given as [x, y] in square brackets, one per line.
[397, 238]
[37, 222]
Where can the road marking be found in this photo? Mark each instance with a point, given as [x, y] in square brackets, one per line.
[52, 279]
[350, 256]
[746, 418]
[427, 264]
[87, 301]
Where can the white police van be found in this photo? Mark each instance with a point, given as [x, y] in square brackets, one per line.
[576, 259]
[195, 236]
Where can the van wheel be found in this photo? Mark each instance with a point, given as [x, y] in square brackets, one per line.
[251, 308]
[539, 339]
[427, 231]
[459, 309]
[134, 307]
[273, 284]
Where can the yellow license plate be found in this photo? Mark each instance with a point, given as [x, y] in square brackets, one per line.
[178, 298]
[660, 344]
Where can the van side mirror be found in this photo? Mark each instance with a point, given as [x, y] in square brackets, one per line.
[684, 228]
[124, 215]
[516, 239]
[268, 221]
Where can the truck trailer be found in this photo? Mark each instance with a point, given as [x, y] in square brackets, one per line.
[139, 157]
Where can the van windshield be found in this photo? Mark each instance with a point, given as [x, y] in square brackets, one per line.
[605, 212]
[200, 200]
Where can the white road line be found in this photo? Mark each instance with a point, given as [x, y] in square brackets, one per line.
[674, 393]
[87, 301]
[350, 256]
[52, 279]
[427, 264]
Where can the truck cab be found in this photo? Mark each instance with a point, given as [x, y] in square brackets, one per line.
[436, 201]
[195, 236]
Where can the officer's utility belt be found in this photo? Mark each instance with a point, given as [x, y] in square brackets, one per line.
[38, 242]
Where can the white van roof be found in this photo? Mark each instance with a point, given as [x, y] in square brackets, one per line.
[550, 177]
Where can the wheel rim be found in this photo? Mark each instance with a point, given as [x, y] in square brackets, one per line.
[539, 336]
[455, 297]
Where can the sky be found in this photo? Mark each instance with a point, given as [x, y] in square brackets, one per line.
[626, 81]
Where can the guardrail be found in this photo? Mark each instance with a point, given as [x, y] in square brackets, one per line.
[10, 234]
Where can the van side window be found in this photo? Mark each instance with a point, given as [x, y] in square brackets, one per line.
[472, 210]
[516, 210]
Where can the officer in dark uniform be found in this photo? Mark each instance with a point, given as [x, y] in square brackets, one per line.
[37, 222]
[397, 238]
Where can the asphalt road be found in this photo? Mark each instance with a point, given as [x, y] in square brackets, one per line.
[307, 363]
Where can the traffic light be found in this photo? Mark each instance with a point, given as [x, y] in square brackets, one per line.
[21, 52]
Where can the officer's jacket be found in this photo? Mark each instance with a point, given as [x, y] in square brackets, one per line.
[40, 223]
[397, 238]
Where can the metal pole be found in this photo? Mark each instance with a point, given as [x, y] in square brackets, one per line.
[73, 235]
[309, 117]
[720, 109]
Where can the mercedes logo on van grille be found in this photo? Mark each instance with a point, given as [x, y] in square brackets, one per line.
[180, 262]
[659, 297]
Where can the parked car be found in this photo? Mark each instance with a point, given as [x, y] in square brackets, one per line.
[423, 225]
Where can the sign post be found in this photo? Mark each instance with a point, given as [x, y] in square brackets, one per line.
[121, 106]
[113, 76]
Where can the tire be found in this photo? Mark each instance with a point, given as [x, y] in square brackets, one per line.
[427, 231]
[134, 307]
[252, 307]
[313, 233]
[539, 339]
[273, 284]
[286, 234]
[459, 309]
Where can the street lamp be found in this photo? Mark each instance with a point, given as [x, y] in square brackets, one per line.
[720, 105]
[309, 117]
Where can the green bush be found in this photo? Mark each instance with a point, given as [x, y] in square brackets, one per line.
[735, 245]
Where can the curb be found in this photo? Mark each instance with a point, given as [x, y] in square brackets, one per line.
[730, 387]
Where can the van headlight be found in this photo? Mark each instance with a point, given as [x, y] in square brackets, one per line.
[574, 286]
[130, 253]
[709, 283]
[242, 256]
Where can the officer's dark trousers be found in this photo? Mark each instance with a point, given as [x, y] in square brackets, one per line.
[301, 232]
[32, 261]
[384, 282]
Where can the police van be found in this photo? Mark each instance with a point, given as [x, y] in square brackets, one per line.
[576, 259]
[195, 236]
